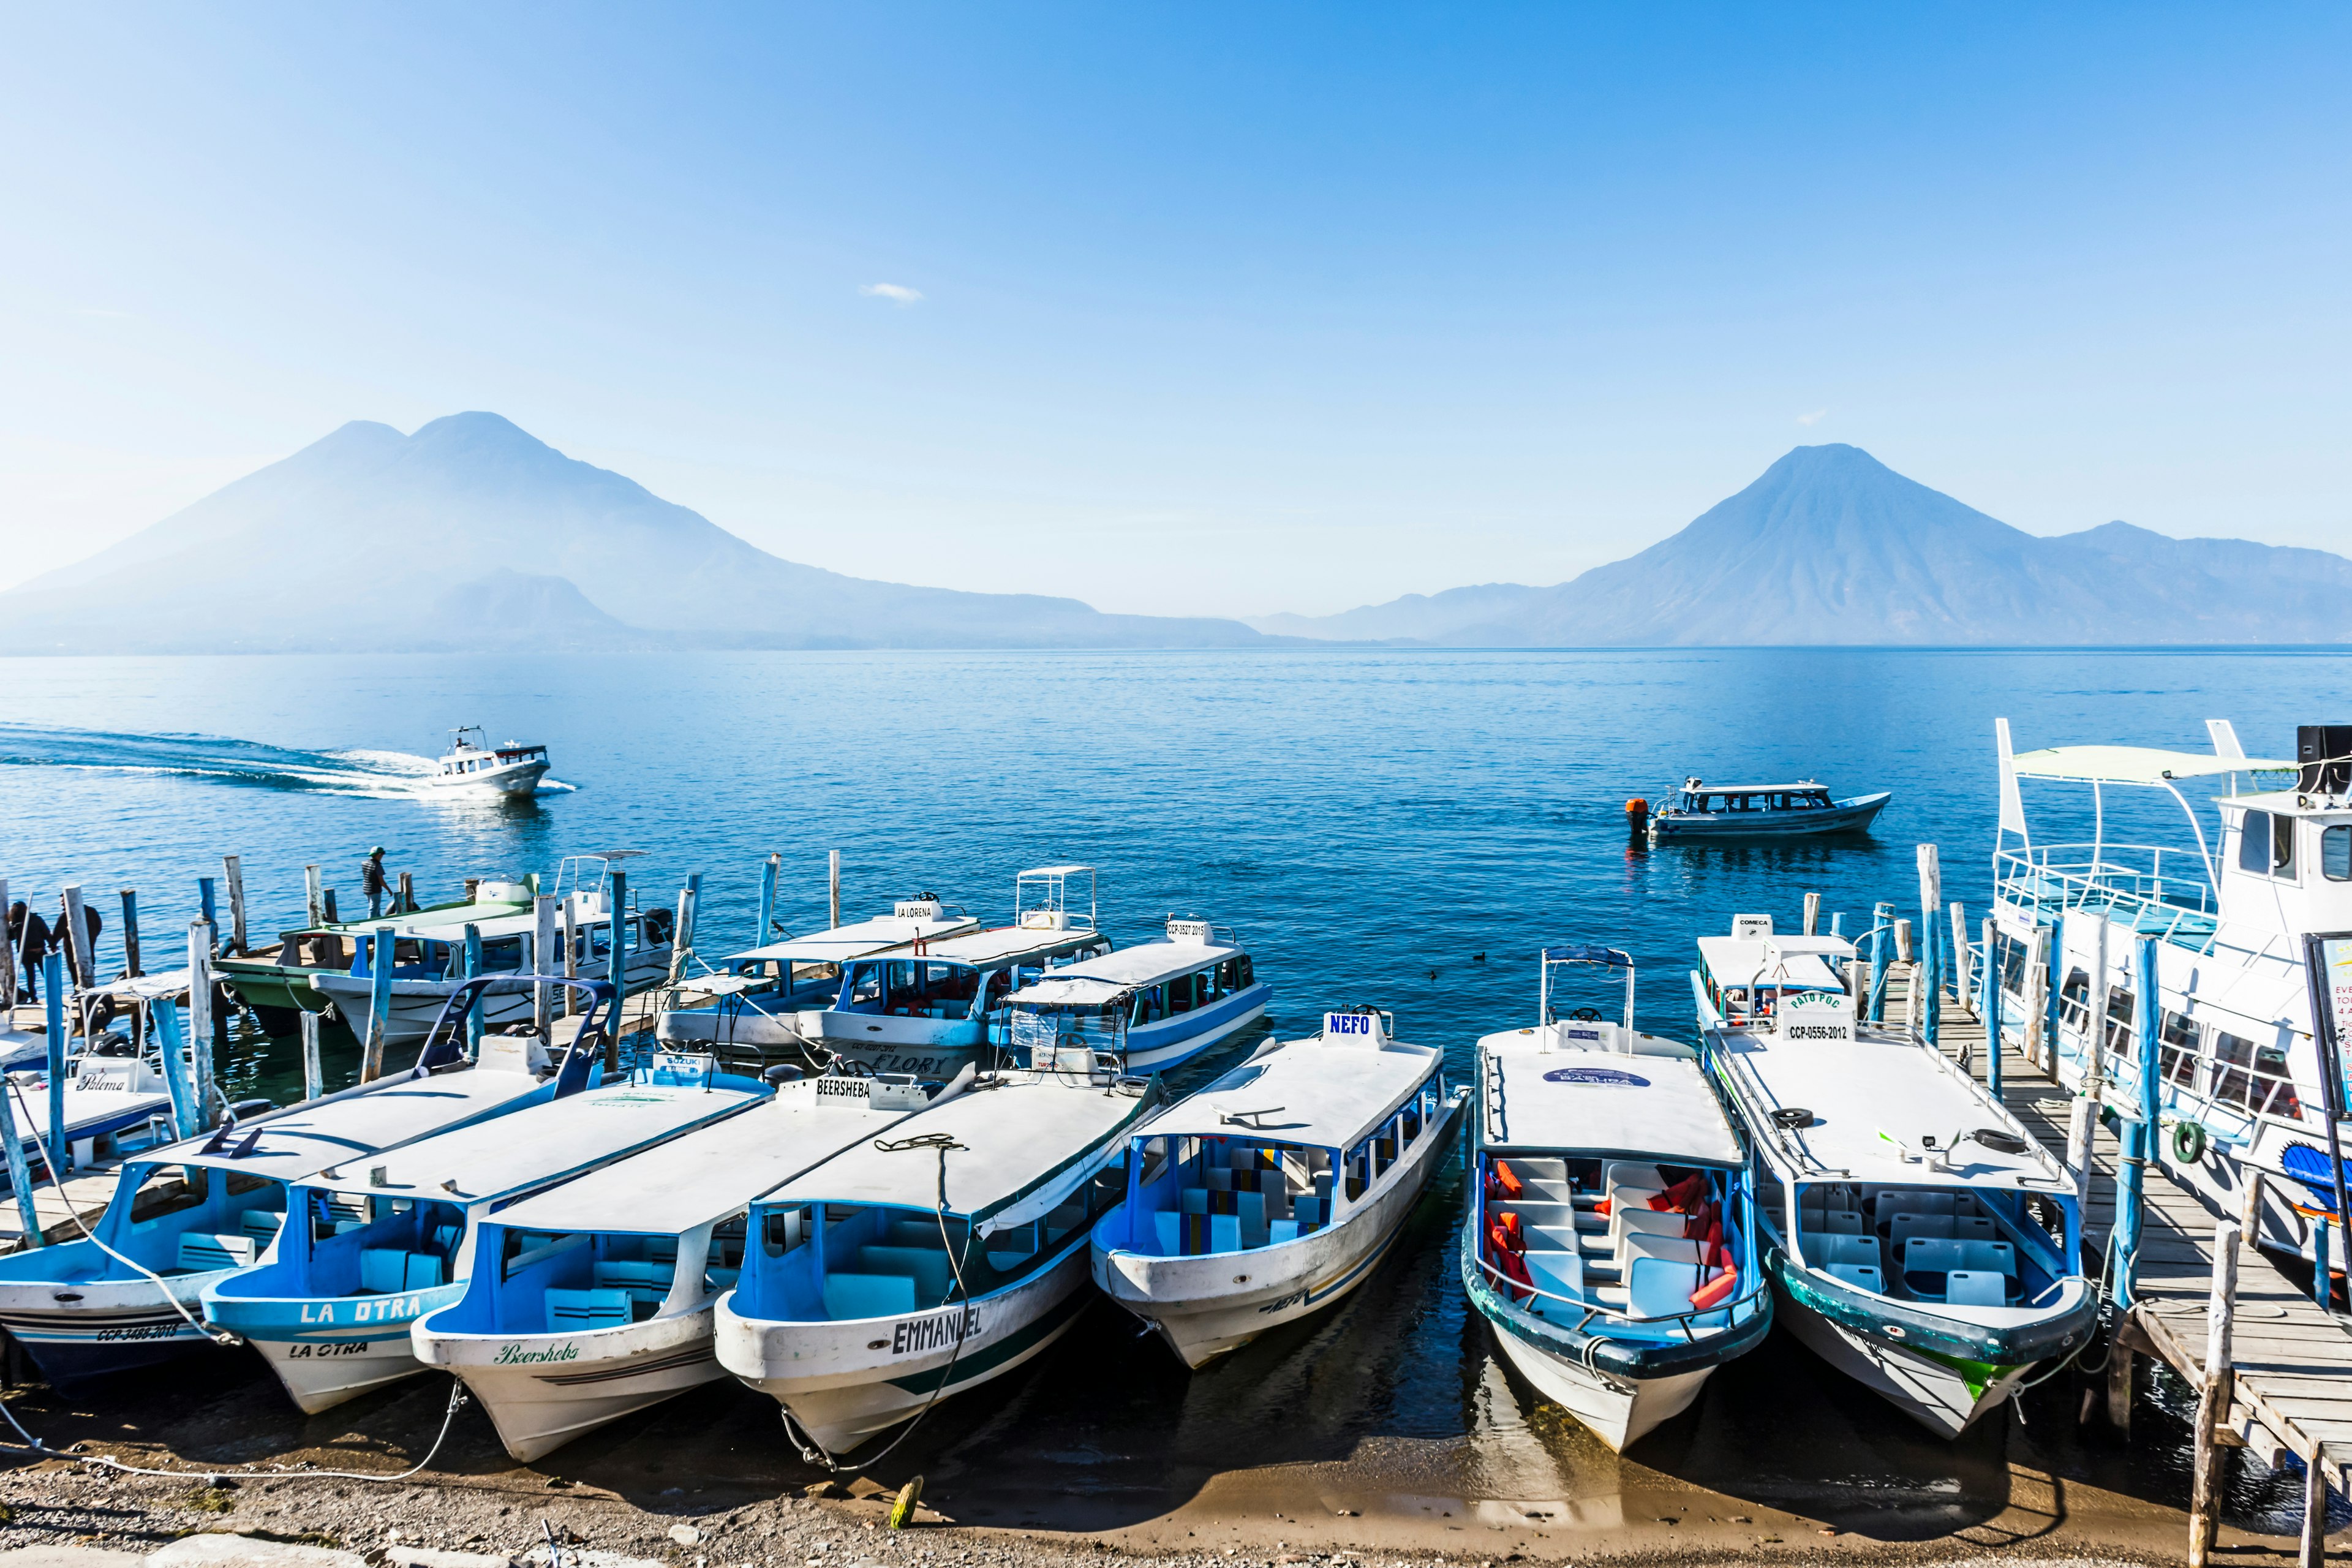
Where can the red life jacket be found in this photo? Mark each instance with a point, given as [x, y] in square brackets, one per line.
[1717, 1290]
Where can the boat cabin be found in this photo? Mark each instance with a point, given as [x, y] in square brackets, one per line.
[1743, 981]
[1189, 987]
[470, 752]
[1707, 799]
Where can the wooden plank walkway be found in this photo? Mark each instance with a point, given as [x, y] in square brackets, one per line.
[2292, 1388]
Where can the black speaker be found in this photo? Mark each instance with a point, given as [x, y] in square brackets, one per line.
[2325, 753]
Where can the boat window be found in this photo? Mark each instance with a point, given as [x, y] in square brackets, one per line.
[2233, 1055]
[169, 1189]
[2177, 1060]
[1180, 994]
[2336, 852]
[240, 1183]
[1147, 1005]
[2253, 846]
[780, 1230]
[1155, 1160]
[2074, 1001]
[862, 990]
[2274, 1091]
[2282, 846]
[2012, 964]
[1242, 979]
[2123, 1039]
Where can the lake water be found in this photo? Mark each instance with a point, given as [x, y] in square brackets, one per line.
[1399, 828]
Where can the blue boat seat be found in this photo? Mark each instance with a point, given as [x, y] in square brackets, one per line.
[200, 1252]
[1976, 1288]
[927, 1269]
[1218, 1179]
[1224, 1233]
[1823, 1248]
[424, 1272]
[1277, 1231]
[389, 1270]
[578, 1310]
[1194, 1200]
[1308, 1213]
[1864, 1275]
[646, 1283]
[1839, 1222]
[1658, 1287]
[850, 1297]
[1831, 1195]
[1909, 1224]
[1251, 1207]
[1554, 1274]
[262, 1225]
[1166, 1234]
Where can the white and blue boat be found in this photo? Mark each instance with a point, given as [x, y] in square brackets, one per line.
[1277, 1189]
[606, 1303]
[928, 1008]
[1802, 809]
[185, 1216]
[378, 1241]
[753, 1008]
[1610, 1242]
[918, 1266]
[1154, 1007]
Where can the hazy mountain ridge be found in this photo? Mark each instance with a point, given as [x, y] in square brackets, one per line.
[1830, 545]
[468, 533]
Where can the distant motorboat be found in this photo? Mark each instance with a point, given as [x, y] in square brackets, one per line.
[476, 764]
[1802, 809]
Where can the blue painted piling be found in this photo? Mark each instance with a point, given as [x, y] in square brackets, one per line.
[166, 1018]
[53, 982]
[1989, 1005]
[618, 962]
[2051, 980]
[768, 870]
[207, 899]
[131, 965]
[2139, 1134]
[20, 1173]
[2323, 1279]
[1881, 934]
[474, 1008]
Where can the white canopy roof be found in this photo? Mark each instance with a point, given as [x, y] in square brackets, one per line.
[83, 1107]
[2135, 764]
[712, 1171]
[1028, 1143]
[855, 940]
[537, 1145]
[1768, 961]
[308, 1138]
[1310, 1091]
[1610, 1102]
[1091, 981]
[1000, 946]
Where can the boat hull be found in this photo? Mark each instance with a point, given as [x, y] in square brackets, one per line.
[1845, 817]
[1621, 1412]
[110, 1326]
[1158, 1047]
[843, 1381]
[1203, 1310]
[514, 779]
[543, 1390]
[1930, 1392]
[330, 1350]
[417, 1004]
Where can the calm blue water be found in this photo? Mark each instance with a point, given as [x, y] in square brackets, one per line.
[1371, 821]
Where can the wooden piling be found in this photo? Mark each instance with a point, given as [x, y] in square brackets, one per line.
[203, 1020]
[233, 870]
[314, 898]
[130, 933]
[85, 963]
[210, 906]
[314, 1077]
[1964, 959]
[1813, 914]
[1988, 1007]
[2082, 1120]
[2036, 1045]
[769, 870]
[7, 959]
[571, 956]
[2213, 1398]
[833, 861]
[681, 936]
[542, 951]
[326, 905]
[2313, 1547]
[378, 1016]
[61, 1152]
[2249, 1203]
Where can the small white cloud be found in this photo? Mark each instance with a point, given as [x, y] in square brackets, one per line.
[897, 293]
[1813, 418]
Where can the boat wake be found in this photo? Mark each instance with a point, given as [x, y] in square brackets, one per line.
[221, 759]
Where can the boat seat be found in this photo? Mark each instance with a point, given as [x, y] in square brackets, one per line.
[1553, 1238]
[1646, 1221]
[571, 1312]
[1907, 1225]
[1251, 1211]
[897, 1232]
[1976, 1288]
[388, 1270]
[1831, 1195]
[446, 1239]
[1660, 1288]
[1628, 1174]
[1974, 1228]
[643, 1281]
[1308, 1213]
[1928, 1259]
[1323, 1184]
[1555, 1274]
[851, 1296]
[933, 1275]
[1281, 1230]
[1864, 1275]
[1823, 1248]
[262, 1225]
[1224, 1233]
[1640, 1244]
[1541, 1169]
[1544, 1190]
[201, 1252]
[1218, 1178]
[1839, 1222]
[1194, 1200]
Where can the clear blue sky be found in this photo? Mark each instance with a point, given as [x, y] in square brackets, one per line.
[1190, 308]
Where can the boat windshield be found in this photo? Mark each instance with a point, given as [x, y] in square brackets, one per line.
[912, 989]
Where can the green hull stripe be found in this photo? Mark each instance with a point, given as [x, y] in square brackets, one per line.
[1978, 1376]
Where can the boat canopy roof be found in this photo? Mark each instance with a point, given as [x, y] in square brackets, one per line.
[709, 1173]
[1586, 952]
[1803, 787]
[1027, 1141]
[1091, 981]
[999, 945]
[493, 921]
[2135, 765]
[843, 943]
[1875, 1096]
[1329, 1093]
[535, 1145]
[1774, 960]
[305, 1138]
[1606, 1102]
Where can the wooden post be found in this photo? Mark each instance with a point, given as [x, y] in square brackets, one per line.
[314, 1077]
[314, 898]
[1882, 917]
[571, 956]
[2213, 1397]
[1813, 914]
[617, 965]
[2036, 1045]
[200, 1019]
[85, 963]
[542, 949]
[1963, 960]
[407, 899]
[769, 870]
[2323, 1266]
[833, 860]
[1902, 941]
[2119, 1386]
[2249, 1203]
[7, 963]
[130, 931]
[681, 937]
[20, 1170]
[2313, 1552]
[379, 1018]
[2082, 1122]
[2095, 1004]
[233, 870]
[166, 1018]
[53, 974]
[209, 906]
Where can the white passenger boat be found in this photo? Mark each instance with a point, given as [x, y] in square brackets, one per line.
[1610, 1242]
[2241, 1080]
[1919, 1238]
[1273, 1192]
[756, 1006]
[916, 1266]
[378, 1241]
[1802, 809]
[606, 1300]
[472, 763]
[1155, 1006]
[185, 1216]
[928, 1008]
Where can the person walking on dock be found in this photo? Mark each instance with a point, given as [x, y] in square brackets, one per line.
[28, 933]
[371, 882]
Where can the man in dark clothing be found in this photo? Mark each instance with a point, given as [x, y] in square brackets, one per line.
[29, 934]
[371, 882]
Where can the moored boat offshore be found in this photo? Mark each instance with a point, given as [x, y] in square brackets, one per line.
[1154, 1007]
[1272, 1192]
[1700, 810]
[918, 1266]
[1919, 1237]
[608, 1301]
[1610, 1242]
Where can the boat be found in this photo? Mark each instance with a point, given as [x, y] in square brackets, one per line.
[753, 1007]
[927, 1007]
[1611, 1241]
[472, 763]
[328, 966]
[1917, 1235]
[913, 1268]
[1155, 1006]
[618, 1310]
[385, 1240]
[1275, 1191]
[112, 1103]
[2241, 1073]
[1701, 810]
[185, 1215]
